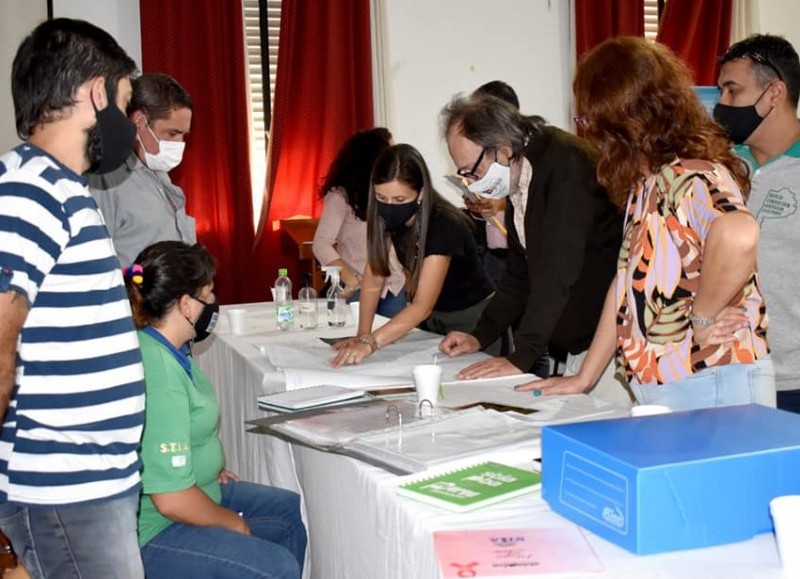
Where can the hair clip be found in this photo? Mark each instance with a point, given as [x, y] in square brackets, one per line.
[135, 273]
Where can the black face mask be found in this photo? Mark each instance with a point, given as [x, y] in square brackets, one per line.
[739, 122]
[395, 215]
[207, 321]
[110, 141]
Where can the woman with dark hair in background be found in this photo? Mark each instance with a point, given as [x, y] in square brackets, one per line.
[341, 236]
[684, 313]
[444, 277]
[196, 519]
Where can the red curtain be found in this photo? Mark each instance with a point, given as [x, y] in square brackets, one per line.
[201, 44]
[699, 32]
[323, 95]
[597, 20]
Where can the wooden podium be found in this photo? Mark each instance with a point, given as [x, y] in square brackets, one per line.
[301, 230]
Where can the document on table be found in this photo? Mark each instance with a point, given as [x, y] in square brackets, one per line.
[455, 436]
[310, 397]
[335, 427]
[549, 409]
[309, 364]
[514, 552]
[574, 408]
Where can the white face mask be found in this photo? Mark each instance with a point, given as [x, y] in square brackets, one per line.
[169, 156]
[496, 184]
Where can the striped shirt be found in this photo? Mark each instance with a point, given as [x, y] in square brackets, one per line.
[73, 426]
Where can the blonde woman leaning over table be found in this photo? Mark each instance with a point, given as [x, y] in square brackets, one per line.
[444, 277]
[341, 236]
[685, 313]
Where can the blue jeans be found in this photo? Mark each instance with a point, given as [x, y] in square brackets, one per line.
[726, 385]
[95, 541]
[275, 549]
[389, 306]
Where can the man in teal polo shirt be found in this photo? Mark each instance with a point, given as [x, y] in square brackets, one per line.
[759, 87]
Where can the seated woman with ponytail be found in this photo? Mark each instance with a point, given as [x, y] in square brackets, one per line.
[196, 519]
[445, 280]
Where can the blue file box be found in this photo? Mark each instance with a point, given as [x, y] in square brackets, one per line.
[673, 481]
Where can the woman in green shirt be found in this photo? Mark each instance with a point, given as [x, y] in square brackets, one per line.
[196, 519]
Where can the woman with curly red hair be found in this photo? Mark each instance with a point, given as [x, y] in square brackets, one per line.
[684, 313]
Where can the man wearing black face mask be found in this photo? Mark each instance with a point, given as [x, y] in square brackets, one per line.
[71, 377]
[759, 85]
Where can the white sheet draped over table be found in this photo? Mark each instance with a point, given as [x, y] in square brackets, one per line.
[358, 527]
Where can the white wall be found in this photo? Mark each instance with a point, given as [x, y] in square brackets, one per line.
[20, 17]
[120, 18]
[433, 49]
[781, 17]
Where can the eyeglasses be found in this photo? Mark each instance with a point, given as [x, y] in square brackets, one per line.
[581, 121]
[471, 173]
[755, 57]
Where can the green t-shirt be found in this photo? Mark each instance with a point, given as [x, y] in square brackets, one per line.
[180, 446]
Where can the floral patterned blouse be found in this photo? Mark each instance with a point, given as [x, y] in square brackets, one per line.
[658, 274]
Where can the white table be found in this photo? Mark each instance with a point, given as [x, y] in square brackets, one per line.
[360, 529]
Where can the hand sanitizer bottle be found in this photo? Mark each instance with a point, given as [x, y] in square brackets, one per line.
[336, 303]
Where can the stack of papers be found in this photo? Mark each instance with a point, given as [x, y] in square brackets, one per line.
[311, 397]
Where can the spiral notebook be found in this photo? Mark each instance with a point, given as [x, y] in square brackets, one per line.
[472, 487]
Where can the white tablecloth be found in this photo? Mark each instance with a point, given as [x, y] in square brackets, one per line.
[360, 529]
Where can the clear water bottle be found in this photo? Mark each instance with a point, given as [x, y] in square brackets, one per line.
[307, 305]
[284, 307]
[335, 300]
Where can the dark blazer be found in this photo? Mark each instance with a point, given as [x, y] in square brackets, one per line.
[556, 288]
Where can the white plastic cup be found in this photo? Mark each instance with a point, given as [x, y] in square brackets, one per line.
[427, 380]
[785, 513]
[237, 320]
[650, 410]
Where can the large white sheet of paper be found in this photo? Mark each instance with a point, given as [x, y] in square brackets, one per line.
[309, 364]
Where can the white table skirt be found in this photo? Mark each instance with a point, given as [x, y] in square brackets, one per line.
[359, 528]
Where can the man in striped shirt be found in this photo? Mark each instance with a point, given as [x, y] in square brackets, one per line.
[71, 380]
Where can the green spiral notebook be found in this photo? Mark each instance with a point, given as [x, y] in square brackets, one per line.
[472, 487]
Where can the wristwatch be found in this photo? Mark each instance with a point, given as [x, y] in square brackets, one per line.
[371, 341]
